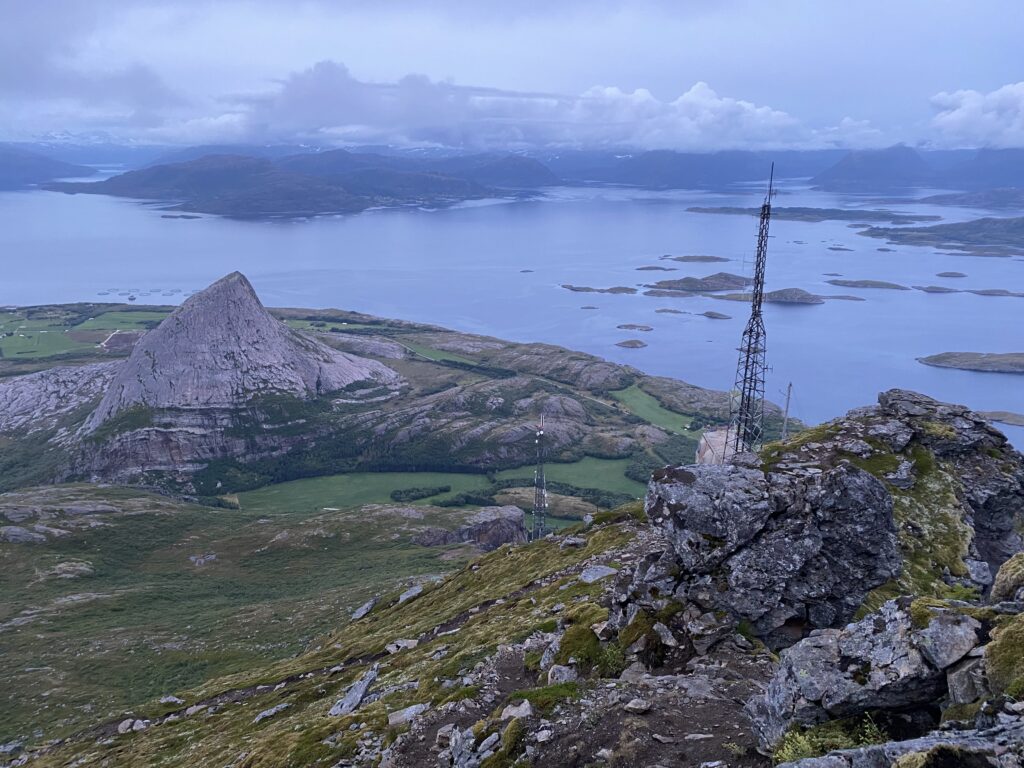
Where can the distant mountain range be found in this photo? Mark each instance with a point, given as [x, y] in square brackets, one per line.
[20, 168]
[902, 167]
[300, 180]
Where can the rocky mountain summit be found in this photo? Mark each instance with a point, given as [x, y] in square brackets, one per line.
[221, 349]
[878, 555]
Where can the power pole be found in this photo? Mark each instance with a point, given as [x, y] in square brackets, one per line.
[747, 411]
[785, 417]
[540, 492]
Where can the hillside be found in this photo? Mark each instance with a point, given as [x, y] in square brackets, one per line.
[987, 236]
[22, 167]
[874, 170]
[210, 402]
[877, 554]
[317, 183]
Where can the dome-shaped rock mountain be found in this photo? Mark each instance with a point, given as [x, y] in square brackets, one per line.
[219, 349]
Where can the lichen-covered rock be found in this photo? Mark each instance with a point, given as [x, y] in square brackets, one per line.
[786, 551]
[880, 662]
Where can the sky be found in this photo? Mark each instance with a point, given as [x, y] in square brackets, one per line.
[696, 75]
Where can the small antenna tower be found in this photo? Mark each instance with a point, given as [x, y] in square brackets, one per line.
[785, 418]
[540, 491]
[747, 412]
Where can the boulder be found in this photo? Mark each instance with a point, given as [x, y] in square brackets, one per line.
[406, 715]
[364, 609]
[593, 573]
[15, 534]
[410, 593]
[355, 693]
[880, 662]
[561, 674]
[521, 710]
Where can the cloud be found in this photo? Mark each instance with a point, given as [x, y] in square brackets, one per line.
[41, 77]
[971, 118]
[325, 103]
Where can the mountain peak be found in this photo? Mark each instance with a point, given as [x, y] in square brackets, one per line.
[220, 349]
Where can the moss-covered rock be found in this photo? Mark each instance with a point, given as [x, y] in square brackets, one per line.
[1004, 657]
[1009, 580]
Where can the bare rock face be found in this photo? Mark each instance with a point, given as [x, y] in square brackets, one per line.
[883, 661]
[37, 400]
[784, 552]
[219, 349]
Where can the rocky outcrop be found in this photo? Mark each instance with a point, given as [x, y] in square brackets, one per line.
[785, 552]
[489, 529]
[220, 349]
[912, 497]
[38, 401]
[882, 662]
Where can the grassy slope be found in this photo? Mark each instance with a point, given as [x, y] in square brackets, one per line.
[524, 576]
[147, 621]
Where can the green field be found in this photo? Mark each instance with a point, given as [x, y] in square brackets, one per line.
[45, 337]
[35, 338]
[647, 407]
[436, 354]
[351, 490]
[589, 472]
[325, 325]
[122, 321]
[354, 489]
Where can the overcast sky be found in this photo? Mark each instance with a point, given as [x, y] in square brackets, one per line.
[686, 74]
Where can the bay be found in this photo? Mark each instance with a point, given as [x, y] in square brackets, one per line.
[497, 267]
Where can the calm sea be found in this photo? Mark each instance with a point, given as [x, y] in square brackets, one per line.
[496, 268]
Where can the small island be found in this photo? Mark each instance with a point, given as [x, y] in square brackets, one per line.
[588, 289]
[822, 214]
[867, 284]
[1005, 417]
[695, 259]
[988, 362]
[631, 344]
[634, 327]
[781, 296]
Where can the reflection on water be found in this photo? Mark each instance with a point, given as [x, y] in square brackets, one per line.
[497, 269]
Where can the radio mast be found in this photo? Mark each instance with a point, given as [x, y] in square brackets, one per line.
[540, 492]
[747, 411]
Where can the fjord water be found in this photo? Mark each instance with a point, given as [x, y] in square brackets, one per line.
[496, 268]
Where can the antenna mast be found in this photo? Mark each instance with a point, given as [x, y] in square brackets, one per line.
[540, 492]
[747, 412]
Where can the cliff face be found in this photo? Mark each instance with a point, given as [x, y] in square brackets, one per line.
[220, 349]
